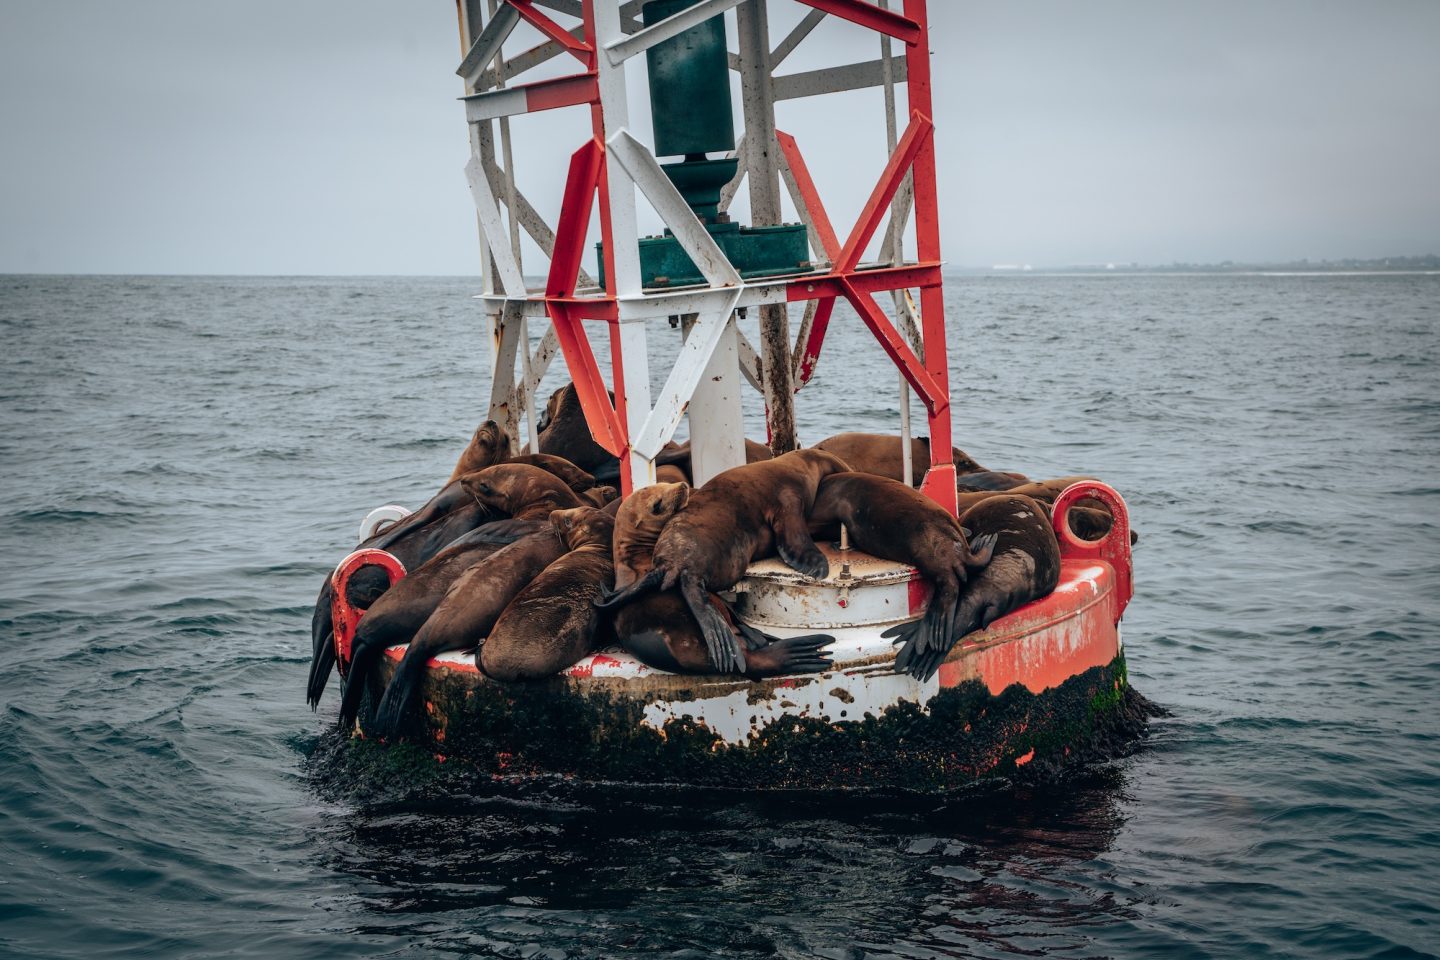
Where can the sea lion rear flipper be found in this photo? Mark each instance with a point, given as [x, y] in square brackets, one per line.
[720, 643]
[613, 598]
[795, 545]
[982, 548]
[790, 655]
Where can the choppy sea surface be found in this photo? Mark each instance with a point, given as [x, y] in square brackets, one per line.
[184, 458]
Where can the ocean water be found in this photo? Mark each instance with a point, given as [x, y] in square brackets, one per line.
[184, 458]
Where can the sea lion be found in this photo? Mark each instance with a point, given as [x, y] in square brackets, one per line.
[488, 446]
[567, 434]
[989, 480]
[527, 493]
[465, 616]
[1089, 518]
[882, 455]
[1024, 566]
[669, 473]
[575, 478]
[659, 630]
[890, 520]
[412, 545]
[553, 622]
[740, 515]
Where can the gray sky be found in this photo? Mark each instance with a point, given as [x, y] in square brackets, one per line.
[324, 137]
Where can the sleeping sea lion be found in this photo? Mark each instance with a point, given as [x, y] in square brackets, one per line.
[739, 516]
[659, 630]
[567, 434]
[553, 621]
[488, 446]
[465, 616]
[881, 454]
[1025, 566]
[890, 520]
[412, 544]
[528, 494]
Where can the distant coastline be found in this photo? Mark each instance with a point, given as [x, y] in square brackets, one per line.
[1428, 263]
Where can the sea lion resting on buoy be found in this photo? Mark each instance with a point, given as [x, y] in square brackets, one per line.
[659, 630]
[566, 433]
[412, 544]
[528, 494]
[553, 621]
[488, 446]
[1025, 566]
[739, 516]
[890, 520]
[466, 615]
[882, 455]
[449, 514]
[1089, 517]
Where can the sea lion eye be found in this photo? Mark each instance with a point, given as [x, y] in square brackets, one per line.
[657, 508]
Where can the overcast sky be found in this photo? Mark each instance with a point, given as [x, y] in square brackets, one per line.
[323, 137]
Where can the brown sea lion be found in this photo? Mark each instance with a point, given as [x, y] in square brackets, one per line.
[882, 455]
[528, 494]
[669, 473]
[488, 446]
[659, 630]
[1025, 565]
[1089, 518]
[890, 520]
[600, 496]
[553, 622]
[567, 434]
[739, 516]
[989, 480]
[465, 616]
[450, 515]
[575, 478]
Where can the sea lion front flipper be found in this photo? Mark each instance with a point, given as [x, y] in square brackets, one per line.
[320, 667]
[720, 643]
[794, 543]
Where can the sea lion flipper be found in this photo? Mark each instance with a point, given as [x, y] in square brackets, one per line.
[720, 642]
[320, 667]
[795, 545]
[982, 548]
[613, 598]
[790, 655]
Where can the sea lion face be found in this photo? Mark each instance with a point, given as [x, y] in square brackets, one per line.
[550, 407]
[582, 526]
[510, 486]
[489, 443]
[647, 510]
[638, 523]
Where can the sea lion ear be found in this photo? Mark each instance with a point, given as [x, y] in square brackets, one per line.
[682, 496]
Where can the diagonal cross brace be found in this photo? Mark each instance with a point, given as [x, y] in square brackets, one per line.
[676, 214]
[689, 367]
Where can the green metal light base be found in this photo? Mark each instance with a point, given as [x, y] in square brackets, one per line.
[754, 251]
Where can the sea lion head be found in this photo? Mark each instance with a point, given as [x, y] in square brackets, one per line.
[511, 487]
[552, 405]
[822, 462]
[638, 523]
[488, 445]
[583, 526]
